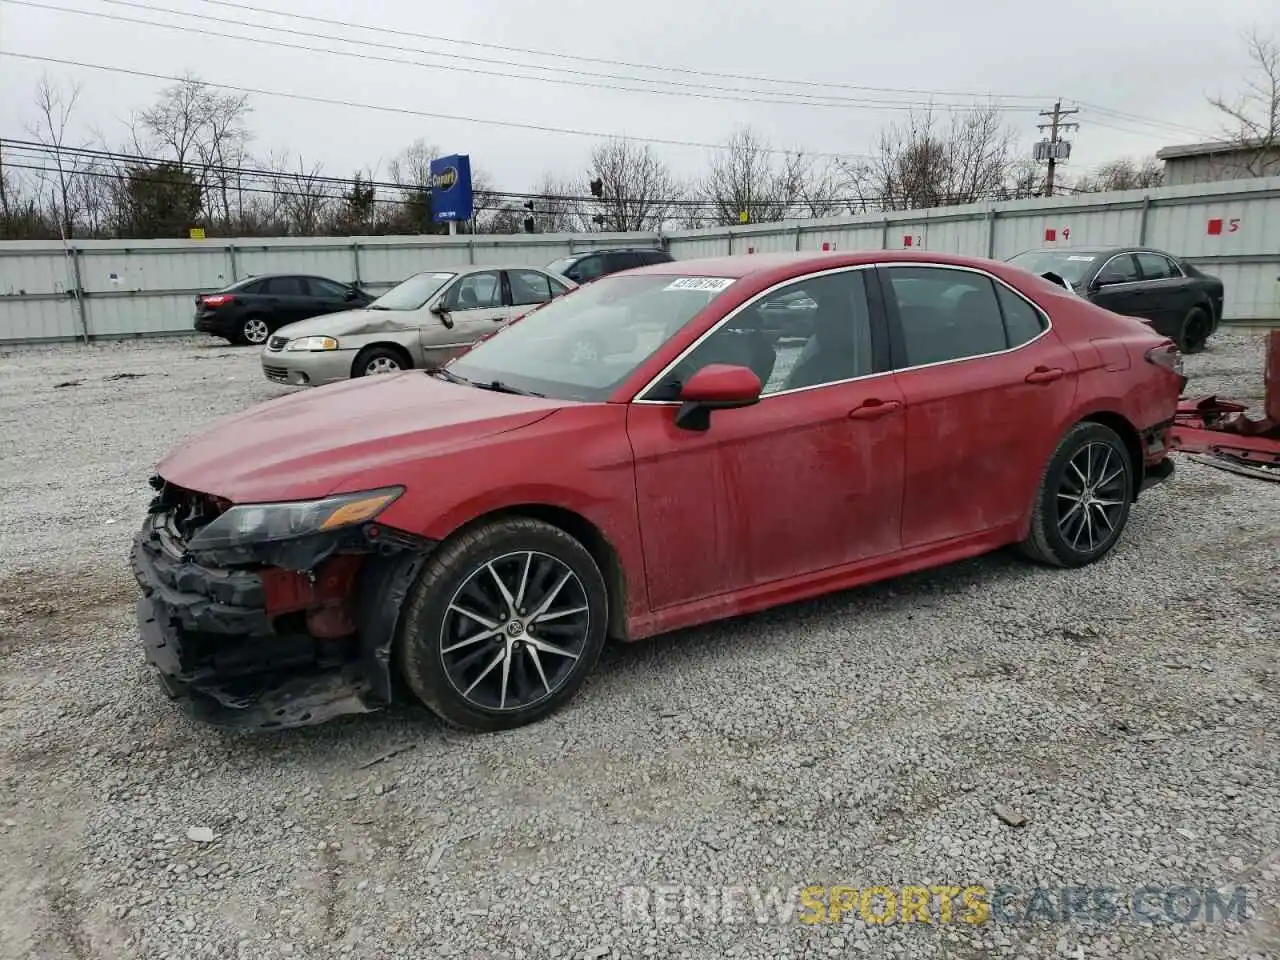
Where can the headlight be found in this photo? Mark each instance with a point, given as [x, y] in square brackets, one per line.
[313, 343]
[261, 523]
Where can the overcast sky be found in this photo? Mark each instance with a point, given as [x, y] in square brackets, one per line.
[1152, 60]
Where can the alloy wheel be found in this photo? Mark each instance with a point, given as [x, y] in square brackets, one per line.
[255, 331]
[381, 364]
[514, 631]
[1092, 497]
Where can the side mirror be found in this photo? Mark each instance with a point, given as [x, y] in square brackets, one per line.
[717, 386]
[443, 315]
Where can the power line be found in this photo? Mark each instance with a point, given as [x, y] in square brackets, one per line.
[685, 88]
[690, 206]
[844, 103]
[402, 111]
[563, 55]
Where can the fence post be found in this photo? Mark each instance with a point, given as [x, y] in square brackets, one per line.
[231, 259]
[79, 293]
[992, 213]
[1142, 222]
[355, 262]
[884, 234]
[730, 235]
[471, 250]
[797, 238]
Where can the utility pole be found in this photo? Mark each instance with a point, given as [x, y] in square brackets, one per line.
[1053, 148]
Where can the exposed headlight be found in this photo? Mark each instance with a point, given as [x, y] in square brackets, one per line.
[313, 343]
[262, 523]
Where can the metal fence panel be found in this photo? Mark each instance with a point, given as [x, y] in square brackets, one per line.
[140, 287]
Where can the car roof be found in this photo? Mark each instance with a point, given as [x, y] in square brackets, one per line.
[774, 267]
[1096, 251]
[579, 254]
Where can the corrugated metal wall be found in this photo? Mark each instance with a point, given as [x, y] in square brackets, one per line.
[147, 287]
[1245, 251]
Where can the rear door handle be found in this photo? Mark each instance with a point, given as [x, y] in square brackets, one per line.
[1045, 375]
[875, 409]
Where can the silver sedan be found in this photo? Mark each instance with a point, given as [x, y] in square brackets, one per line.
[423, 322]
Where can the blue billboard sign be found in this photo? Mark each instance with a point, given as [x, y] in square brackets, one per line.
[451, 188]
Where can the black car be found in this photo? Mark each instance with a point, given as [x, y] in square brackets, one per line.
[587, 266]
[1180, 301]
[250, 310]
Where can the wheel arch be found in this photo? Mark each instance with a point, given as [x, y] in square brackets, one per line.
[391, 345]
[586, 533]
[1129, 434]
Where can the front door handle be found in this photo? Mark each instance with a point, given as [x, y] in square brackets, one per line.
[1045, 375]
[875, 409]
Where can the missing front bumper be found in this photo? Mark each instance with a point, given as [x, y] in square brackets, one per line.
[225, 661]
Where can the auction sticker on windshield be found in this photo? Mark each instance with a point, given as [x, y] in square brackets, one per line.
[700, 283]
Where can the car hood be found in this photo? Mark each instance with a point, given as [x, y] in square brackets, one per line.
[352, 435]
[347, 323]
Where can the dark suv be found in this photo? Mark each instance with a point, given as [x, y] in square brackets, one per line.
[587, 266]
[250, 310]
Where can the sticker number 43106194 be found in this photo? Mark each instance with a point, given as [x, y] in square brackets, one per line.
[699, 283]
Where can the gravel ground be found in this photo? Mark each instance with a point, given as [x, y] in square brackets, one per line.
[1127, 712]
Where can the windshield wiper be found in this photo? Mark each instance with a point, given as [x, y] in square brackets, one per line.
[444, 374]
[497, 386]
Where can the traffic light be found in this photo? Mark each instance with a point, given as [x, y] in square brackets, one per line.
[597, 188]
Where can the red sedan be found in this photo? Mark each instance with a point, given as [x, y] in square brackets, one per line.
[660, 448]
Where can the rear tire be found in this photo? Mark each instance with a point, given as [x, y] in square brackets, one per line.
[1195, 330]
[484, 662]
[1083, 502]
[375, 360]
[254, 331]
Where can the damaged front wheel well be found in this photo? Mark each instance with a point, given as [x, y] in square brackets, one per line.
[586, 533]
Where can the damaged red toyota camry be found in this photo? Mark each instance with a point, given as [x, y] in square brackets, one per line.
[661, 448]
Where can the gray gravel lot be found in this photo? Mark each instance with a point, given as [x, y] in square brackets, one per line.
[1129, 712]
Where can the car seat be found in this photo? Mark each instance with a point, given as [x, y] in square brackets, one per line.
[832, 351]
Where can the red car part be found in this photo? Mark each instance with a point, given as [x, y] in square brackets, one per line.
[1222, 436]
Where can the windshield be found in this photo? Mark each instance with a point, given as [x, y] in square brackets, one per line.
[561, 265]
[1072, 267]
[411, 294]
[584, 344]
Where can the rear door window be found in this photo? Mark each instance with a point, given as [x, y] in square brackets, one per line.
[1121, 269]
[1155, 267]
[284, 287]
[528, 286]
[946, 314]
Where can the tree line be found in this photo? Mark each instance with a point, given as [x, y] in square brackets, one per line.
[187, 161]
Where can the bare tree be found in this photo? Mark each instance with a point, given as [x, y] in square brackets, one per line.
[637, 187]
[305, 198]
[55, 107]
[926, 163]
[744, 179]
[556, 210]
[1253, 118]
[1123, 174]
[203, 130]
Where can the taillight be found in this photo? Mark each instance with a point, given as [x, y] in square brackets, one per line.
[1166, 355]
[217, 299]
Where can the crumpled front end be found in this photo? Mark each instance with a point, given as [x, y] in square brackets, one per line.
[282, 633]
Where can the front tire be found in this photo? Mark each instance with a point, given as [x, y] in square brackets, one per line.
[1196, 327]
[375, 360]
[504, 625]
[1083, 502]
